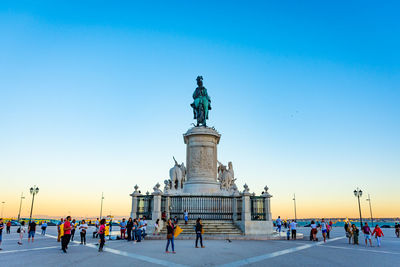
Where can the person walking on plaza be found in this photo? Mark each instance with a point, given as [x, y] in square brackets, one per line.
[278, 224]
[1, 231]
[59, 229]
[31, 230]
[122, 225]
[292, 227]
[186, 216]
[367, 234]
[378, 234]
[355, 233]
[314, 231]
[21, 231]
[82, 230]
[96, 224]
[199, 232]
[101, 232]
[44, 227]
[8, 227]
[129, 227]
[73, 227]
[67, 234]
[170, 236]
[397, 229]
[324, 229]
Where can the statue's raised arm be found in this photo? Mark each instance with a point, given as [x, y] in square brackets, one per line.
[201, 104]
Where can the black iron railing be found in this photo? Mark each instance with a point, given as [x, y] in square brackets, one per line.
[257, 208]
[204, 207]
[145, 206]
[239, 208]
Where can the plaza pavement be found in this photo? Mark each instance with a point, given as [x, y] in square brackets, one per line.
[45, 251]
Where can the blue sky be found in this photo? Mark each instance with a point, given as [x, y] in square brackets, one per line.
[97, 94]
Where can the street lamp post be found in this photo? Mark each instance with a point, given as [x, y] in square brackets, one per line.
[358, 194]
[370, 210]
[2, 208]
[294, 200]
[101, 207]
[20, 205]
[34, 190]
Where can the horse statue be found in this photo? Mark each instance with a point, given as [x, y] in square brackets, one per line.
[177, 175]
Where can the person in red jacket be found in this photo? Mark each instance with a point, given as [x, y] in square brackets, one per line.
[378, 234]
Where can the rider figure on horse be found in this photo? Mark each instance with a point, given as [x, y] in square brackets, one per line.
[201, 97]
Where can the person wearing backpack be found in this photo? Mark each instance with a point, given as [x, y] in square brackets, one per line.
[355, 232]
[21, 230]
[44, 227]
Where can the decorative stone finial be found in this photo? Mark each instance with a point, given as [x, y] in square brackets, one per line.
[136, 192]
[157, 190]
[265, 193]
[246, 191]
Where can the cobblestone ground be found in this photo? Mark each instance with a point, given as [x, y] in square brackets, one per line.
[45, 251]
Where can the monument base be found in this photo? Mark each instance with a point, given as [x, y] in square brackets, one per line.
[201, 161]
[202, 187]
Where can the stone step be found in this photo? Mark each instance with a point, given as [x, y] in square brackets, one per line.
[225, 228]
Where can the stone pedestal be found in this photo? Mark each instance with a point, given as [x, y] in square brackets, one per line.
[201, 161]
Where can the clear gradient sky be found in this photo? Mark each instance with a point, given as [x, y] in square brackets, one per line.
[95, 97]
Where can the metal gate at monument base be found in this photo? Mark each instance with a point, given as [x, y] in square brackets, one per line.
[257, 208]
[204, 207]
[145, 206]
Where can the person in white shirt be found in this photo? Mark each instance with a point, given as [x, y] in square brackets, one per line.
[22, 230]
[293, 226]
[279, 224]
[324, 229]
[314, 231]
[144, 226]
[83, 229]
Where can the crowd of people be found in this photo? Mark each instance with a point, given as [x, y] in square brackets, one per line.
[351, 230]
[352, 233]
[134, 230]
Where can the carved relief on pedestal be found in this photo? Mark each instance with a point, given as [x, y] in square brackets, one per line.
[201, 161]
